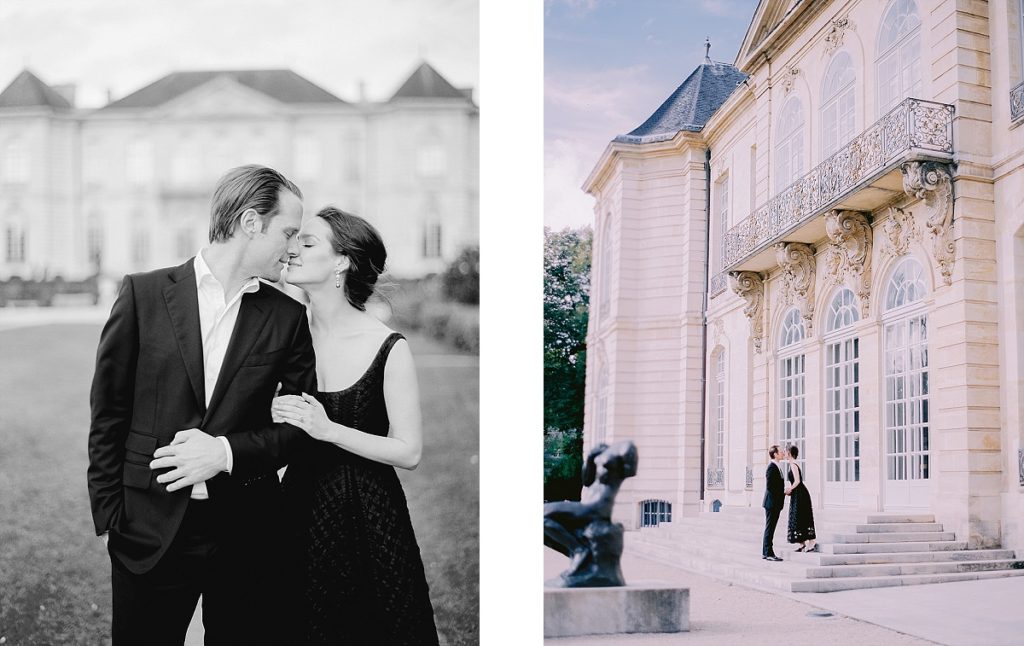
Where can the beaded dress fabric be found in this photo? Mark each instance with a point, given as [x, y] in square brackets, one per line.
[801, 516]
[360, 576]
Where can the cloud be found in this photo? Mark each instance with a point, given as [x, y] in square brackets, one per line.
[576, 7]
[610, 93]
[726, 8]
[566, 166]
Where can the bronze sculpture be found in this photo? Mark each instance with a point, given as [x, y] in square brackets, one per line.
[583, 530]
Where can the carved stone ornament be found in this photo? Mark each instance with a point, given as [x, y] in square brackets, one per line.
[834, 38]
[788, 76]
[797, 262]
[898, 231]
[850, 251]
[749, 286]
[933, 183]
[717, 332]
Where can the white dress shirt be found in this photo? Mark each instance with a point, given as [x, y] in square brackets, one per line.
[217, 318]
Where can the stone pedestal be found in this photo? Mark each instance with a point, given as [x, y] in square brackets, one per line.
[638, 608]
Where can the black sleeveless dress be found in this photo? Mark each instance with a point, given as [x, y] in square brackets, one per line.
[357, 572]
[801, 516]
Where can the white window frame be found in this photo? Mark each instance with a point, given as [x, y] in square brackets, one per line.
[842, 389]
[717, 460]
[792, 371]
[905, 416]
[899, 62]
[722, 209]
[789, 147]
[15, 163]
[653, 512]
[605, 286]
[838, 104]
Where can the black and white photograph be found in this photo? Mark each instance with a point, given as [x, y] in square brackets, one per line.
[239, 322]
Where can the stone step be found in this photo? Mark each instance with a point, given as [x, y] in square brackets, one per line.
[901, 557]
[875, 548]
[891, 517]
[882, 528]
[904, 569]
[858, 583]
[889, 537]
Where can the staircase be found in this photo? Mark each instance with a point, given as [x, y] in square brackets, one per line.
[854, 552]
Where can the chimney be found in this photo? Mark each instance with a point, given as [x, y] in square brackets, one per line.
[66, 90]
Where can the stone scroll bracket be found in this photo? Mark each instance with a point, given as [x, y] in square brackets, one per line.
[849, 255]
[933, 182]
[797, 262]
[749, 286]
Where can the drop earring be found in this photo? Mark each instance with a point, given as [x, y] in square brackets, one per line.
[337, 278]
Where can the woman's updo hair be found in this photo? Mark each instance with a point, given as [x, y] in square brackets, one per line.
[794, 452]
[359, 241]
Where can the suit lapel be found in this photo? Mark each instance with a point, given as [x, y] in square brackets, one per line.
[253, 314]
[182, 301]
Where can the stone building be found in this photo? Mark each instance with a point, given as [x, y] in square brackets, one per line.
[822, 244]
[127, 187]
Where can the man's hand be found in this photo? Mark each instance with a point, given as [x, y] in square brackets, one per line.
[193, 457]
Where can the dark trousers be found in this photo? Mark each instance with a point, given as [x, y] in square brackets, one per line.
[771, 520]
[157, 607]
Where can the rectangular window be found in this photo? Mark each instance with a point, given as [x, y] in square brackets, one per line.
[94, 245]
[15, 244]
[722, 214]
[140, 246]
[842, 418]
[432, 240]
[138, 161]
[791, 404]
[307, 158]
[14, 163]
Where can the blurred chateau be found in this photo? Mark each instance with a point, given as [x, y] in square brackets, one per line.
[127, 187]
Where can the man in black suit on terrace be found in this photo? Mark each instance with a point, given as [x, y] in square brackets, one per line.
[183, 453]
[774, 498]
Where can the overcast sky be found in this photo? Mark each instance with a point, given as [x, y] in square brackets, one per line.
[126, 44]
[609, 64]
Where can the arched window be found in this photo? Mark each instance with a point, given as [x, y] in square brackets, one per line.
[838, 105]
[792, 405]
[906, 386]
[654, 512]
[842, 400]
[601, 416]
[789, 148]
[716, 468]
[898, 64]
[606, 269]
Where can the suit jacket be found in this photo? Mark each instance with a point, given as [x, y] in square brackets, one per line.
[775, 489]
[149, 385]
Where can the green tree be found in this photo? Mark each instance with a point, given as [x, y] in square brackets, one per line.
[566, 308]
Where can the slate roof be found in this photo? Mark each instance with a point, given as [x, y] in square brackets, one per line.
[691, 105]
[26, 91]
[426, 83]
[283, 85]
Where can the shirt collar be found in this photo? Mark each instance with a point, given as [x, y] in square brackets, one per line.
[203, 272]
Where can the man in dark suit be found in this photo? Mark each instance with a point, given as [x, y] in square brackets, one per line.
[182, 450]
[774, 498]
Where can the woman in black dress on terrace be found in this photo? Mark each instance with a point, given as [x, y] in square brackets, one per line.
[358, 572]
[801, 516]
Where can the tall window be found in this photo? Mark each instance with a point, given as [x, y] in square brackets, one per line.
[15, 239]
[898, 66]
[842, 390]
[838, 104]
[14, 163]
[432, 239]
[186, 162]
[431, 160]
[307, 158]
[791, 383]
[718, 458]
[606, 269]
[140, 246]
[94, 239]
[906, 374]
[722, 208]
[753, 177]
[789, 149]
[138, 161]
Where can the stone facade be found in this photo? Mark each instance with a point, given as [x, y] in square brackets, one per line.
[870, 225]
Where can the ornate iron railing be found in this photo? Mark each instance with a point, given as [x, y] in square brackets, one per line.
[1017, 102]
[912, 125]
[717, 283]
[716, 478]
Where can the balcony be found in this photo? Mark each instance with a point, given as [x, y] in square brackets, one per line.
[862, 176]
[1017, 103]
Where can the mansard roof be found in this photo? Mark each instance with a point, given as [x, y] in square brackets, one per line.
[426, 83]
[283, 85]
[691, 105]
[28, 91]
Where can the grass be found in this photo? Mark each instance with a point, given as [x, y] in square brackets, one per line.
[54, 572]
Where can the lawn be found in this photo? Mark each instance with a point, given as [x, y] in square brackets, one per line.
[54, 572]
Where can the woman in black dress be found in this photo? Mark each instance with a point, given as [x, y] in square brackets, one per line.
[358, 574]
[801, 516]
